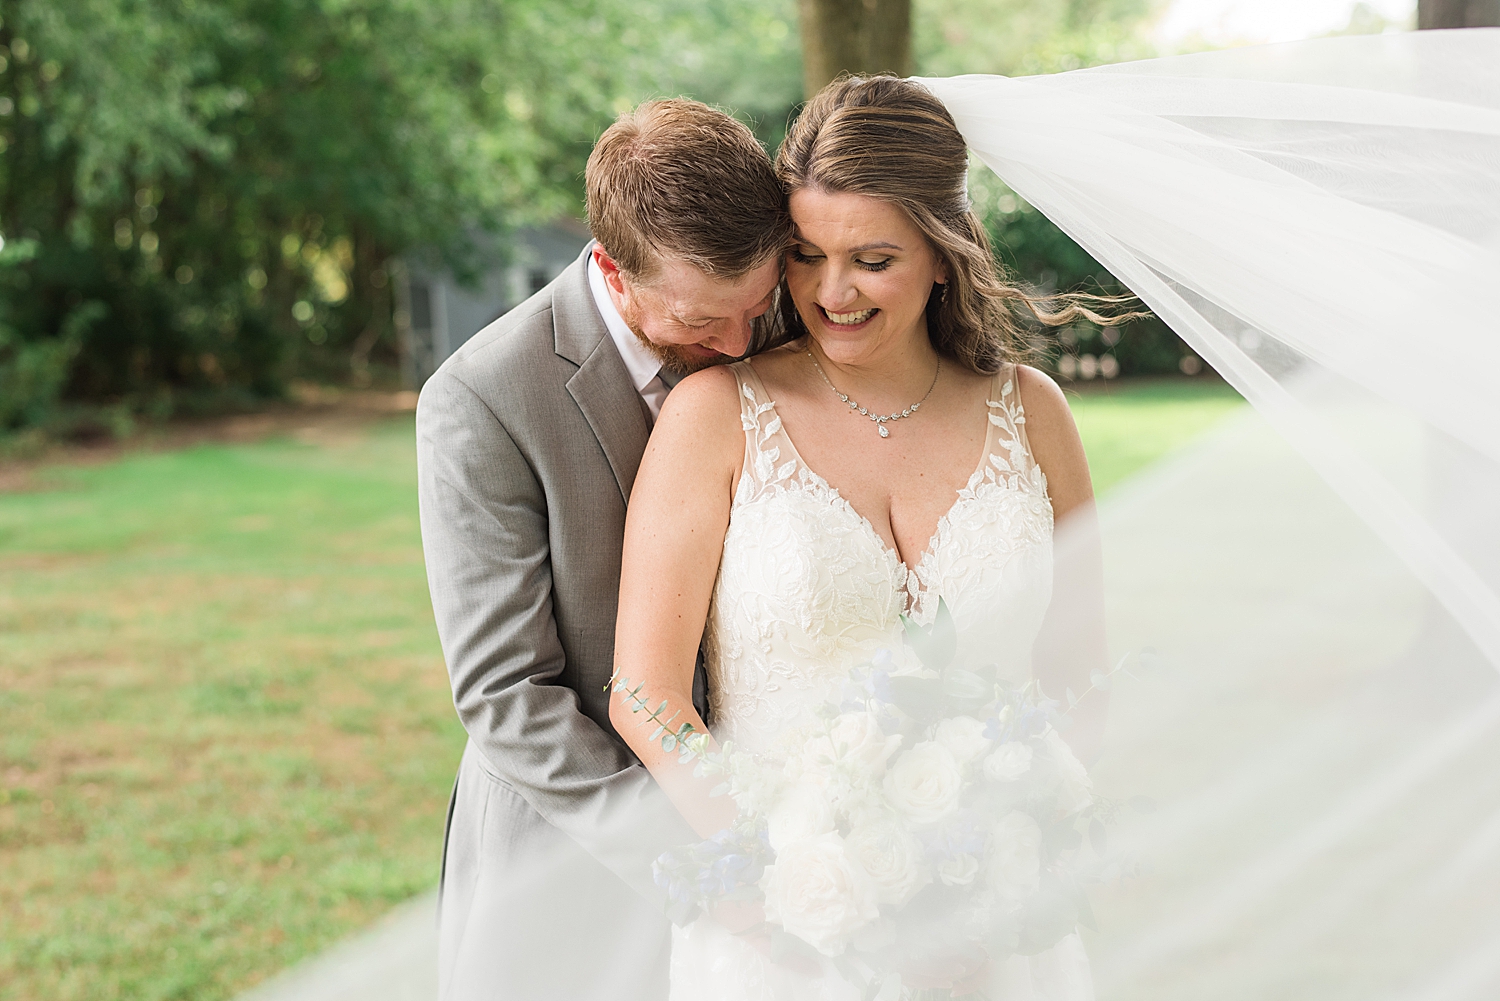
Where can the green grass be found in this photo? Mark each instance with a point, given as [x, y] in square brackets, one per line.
[226, 739]
[227, 735]
[1126, 428]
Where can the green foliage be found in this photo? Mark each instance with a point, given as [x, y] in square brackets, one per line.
[32, 373]
[1022, 37]
[229, 179]
[740, 55]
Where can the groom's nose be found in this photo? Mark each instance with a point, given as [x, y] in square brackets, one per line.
[734, 342]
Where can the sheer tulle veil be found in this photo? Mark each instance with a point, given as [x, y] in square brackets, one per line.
[1318, 581]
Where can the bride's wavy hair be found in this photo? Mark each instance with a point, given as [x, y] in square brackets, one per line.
[891, 139]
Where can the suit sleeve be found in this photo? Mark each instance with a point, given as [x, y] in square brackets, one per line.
[485, 538]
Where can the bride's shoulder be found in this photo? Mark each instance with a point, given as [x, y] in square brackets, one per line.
[702, 410]
[1041, 398]
[1053, 439]
[705, 391]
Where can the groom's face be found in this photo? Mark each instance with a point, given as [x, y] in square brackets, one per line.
[688, 319]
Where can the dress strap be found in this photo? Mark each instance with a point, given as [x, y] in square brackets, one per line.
[1008, 441]
[763, 435]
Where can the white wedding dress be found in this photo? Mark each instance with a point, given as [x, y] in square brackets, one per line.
[807, 590]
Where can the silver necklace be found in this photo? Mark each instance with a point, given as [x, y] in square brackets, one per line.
[879, 419]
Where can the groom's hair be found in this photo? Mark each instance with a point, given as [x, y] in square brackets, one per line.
[678, 179]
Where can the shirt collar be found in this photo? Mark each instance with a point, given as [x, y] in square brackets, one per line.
[642, 365]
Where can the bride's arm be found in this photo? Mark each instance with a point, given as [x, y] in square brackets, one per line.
[1072, 643]
[674, 535]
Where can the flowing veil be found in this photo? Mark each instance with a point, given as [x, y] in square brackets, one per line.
[1306, 741]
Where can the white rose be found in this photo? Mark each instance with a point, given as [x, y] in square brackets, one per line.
[959, 870]
[964, 738]
[801, 811]
[816, 892]
[1076, 790]
[891, 857]
[924, 783]
[1008, 763]
[854, 740]
[1015, 855]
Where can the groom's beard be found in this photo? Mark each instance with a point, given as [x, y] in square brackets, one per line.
[674, 358]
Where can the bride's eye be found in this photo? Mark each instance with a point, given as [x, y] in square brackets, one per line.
[801, 258]
[879, 265]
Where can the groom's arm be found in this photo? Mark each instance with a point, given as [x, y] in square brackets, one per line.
[485, 537]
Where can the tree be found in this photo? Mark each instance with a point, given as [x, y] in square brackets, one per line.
[856, 36]
[1457, 13]
[209, 191]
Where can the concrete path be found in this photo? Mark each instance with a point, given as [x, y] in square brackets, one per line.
[396, 960]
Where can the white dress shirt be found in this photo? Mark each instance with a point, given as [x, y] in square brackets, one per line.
[644, 369]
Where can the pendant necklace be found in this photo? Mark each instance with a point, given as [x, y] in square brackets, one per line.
[879, 419]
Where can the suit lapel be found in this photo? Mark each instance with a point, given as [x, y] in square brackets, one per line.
[602, 386]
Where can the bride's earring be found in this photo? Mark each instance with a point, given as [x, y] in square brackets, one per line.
[943, 293]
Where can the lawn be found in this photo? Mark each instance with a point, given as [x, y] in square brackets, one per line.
[225, 732]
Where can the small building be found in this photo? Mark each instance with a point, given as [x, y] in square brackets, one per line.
[436, 313]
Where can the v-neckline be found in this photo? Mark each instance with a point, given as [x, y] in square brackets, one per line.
[889, 551]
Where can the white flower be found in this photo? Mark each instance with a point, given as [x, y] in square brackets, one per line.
[1015, 859]
[924, 783]
[891, 857]
[816, 892]
[854, 740]
[802, 811]
[959, 870]
[1076, 790]
[964, 738]
[1008, 763]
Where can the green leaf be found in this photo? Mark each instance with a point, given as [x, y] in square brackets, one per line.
[965, 690]
[935, 646]
[920, 698]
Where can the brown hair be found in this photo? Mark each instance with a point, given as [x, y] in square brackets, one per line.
[676, 178]
[892, 139]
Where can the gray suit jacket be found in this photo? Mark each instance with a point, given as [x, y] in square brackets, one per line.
[528, 440]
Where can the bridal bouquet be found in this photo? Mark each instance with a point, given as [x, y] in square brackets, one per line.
[927, 818]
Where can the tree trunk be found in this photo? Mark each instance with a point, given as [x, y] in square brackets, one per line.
[1457, 13]
[855, 36]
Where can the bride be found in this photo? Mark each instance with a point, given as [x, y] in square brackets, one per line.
[891, 454]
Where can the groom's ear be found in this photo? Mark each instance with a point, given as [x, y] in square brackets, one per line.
[612, 274]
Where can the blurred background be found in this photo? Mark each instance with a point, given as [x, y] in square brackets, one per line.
[237, 235]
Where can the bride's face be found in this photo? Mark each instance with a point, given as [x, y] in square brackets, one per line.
[860, 273]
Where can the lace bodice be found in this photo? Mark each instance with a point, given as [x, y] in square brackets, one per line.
[807, 589]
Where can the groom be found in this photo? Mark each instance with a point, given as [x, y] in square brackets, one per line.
[528, 440]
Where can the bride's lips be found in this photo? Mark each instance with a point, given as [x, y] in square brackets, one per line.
[865, 317]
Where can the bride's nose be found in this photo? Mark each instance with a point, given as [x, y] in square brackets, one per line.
[836, 291]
